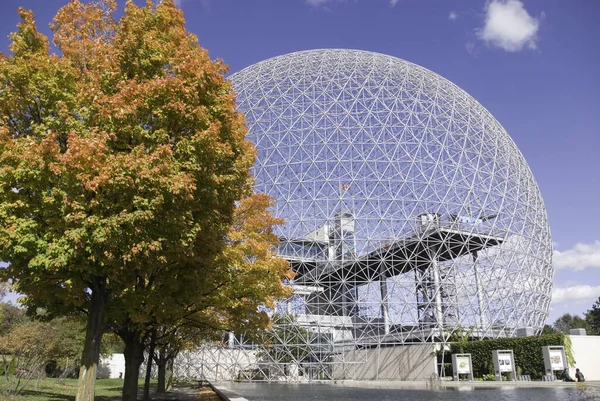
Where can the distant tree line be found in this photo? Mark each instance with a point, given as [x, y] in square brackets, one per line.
[590, 322]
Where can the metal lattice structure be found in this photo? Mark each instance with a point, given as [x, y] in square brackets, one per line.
[409, 211]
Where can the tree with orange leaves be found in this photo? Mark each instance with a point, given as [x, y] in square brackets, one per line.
[121, 163]
[246, 276]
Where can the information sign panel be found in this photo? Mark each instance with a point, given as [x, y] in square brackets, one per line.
[505, 362]
[463, 365]
[556, 359]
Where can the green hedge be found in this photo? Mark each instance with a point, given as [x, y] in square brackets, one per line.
[528, 353]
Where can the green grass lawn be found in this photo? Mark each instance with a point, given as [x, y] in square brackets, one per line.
[50, 390]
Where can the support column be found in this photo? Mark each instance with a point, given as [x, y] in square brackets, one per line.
[345, 300]
[437, 287]
[479, 287]
[384, 299]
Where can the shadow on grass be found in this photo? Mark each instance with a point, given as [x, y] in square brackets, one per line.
[49, 395]
[45, 395]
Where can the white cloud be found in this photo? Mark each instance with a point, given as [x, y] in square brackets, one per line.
[579, 257]
[204, 3]
[471, 49]
[318, 3]
[453, 16]
[576, 294]
[509, 26]
[393, 2]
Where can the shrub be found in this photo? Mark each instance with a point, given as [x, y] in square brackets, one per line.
[527, 350]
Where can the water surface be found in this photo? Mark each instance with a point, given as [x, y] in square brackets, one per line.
[315, 392]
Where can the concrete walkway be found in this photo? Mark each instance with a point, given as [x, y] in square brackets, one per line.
[187, 393]
[225, 393]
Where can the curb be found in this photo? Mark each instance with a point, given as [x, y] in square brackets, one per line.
[225, 394]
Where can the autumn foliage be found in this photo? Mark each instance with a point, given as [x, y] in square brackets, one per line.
[122, 161]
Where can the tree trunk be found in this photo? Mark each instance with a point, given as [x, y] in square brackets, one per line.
[149, 366]
[134, 356]
[164, 363]
[5, 365]
[169, 374]
[93, 340]
[161, 364]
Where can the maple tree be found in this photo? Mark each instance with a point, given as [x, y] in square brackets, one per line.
[592, 317]
[121, 163]
[246, 275]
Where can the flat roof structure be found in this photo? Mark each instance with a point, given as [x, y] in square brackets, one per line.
[395, 257]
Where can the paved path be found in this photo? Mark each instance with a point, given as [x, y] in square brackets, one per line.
[187, 393]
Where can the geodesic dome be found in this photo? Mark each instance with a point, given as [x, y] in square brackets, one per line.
[409, 211]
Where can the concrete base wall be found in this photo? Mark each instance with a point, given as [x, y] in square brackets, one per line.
[408, 362]
[586, 350]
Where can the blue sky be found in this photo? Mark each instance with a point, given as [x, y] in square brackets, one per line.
[534, 64]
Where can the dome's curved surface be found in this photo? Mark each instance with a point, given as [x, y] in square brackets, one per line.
[407, 205]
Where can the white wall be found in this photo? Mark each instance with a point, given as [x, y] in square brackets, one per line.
[111, 367]
[586, 350]
[401, 362]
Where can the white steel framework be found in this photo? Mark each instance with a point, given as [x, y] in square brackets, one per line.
[409, 211]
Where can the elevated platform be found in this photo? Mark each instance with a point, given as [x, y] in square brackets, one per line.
[396, 257]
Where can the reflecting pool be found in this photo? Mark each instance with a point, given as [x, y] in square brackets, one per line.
[314, 392]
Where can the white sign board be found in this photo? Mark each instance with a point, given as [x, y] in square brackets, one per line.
[556, 360]
[462, 363]
[505, 363]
